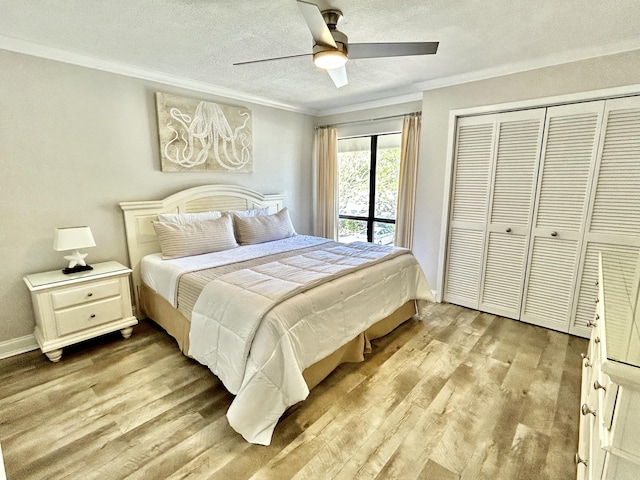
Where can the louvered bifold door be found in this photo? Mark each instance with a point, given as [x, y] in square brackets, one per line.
[614, 221]
[468, 209]
[517, 154]
[568, 159]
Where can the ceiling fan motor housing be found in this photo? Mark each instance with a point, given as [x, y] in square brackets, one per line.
[331, 18]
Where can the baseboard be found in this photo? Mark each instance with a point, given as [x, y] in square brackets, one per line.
[18, 346]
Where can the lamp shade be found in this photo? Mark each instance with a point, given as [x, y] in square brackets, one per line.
[72, 238]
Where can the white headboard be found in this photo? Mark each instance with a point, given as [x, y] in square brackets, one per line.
[138, 216]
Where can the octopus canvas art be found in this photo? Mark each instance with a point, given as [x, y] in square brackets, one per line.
[203, 136]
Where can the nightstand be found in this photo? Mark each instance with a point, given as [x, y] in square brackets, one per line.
[79, 306]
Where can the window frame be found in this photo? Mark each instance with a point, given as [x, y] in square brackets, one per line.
[370, 219]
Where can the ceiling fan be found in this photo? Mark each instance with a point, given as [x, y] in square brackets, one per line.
[331, 49]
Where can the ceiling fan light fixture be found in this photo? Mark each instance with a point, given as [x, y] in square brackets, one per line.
[329, 59]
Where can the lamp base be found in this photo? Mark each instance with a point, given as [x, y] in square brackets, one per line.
[76, 269]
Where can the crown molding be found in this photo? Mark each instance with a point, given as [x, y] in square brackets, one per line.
[49, 53]
[563, 57]
[384, 102]
[64, 56]
[552, 60]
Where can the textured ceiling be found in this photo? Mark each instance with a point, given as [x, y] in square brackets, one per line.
[198, 41]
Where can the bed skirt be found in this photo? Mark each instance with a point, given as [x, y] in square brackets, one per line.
[177, 325]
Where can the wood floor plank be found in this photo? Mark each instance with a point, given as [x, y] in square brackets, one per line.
[527, 453]
[416, 450]
[478, 386]
[374, 453]
[434, 471]
[413, 453]
[457, 395]
[341, 441]
[564, 432]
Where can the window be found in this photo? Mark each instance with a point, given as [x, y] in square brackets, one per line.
[368, 169]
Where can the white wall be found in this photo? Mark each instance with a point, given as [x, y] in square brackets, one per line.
[74, 142]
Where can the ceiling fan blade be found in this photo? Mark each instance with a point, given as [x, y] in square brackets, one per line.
[274, 58]
[339, 76]
[319, 30]
[401, 49]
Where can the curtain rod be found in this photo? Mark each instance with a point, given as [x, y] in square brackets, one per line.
[412, 114]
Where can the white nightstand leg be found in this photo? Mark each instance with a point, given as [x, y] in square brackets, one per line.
[126, 332]
[54, 355]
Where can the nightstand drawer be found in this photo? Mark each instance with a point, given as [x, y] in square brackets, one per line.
[86, 316]
[85, 293]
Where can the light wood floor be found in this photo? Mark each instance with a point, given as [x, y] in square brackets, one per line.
[460, 395]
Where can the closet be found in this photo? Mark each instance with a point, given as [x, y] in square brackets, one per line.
[536, 195]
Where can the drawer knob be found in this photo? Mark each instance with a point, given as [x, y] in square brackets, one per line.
[585, 358]
[93, 315]
[596, 340]
[554, 234]
[89, 294]
[597, 385]
[580, 460]
[508, 230]
[586, 410]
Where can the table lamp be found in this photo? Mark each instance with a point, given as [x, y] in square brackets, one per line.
[74, 238]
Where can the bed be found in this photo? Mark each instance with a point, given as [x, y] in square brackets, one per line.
[313, 303]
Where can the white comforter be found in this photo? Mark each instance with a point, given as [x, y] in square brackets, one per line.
[163, 275]
[258, 329]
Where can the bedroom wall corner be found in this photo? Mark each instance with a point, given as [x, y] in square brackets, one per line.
[76, 142]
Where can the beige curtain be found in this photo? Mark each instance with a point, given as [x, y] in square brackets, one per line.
[409, 150]
[326, 212]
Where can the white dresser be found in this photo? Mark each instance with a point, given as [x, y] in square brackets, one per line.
[609, 442]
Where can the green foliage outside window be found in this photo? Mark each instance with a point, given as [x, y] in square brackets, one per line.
[354, 166]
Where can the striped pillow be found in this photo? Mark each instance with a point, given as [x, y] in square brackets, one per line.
[263, 228]
[195, 238]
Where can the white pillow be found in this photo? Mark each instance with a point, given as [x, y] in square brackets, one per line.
[195, 238]
[249, 213]
[186, 218]
[263, 228]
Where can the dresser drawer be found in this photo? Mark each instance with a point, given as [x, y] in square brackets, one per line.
[606, 399]
[80, 317]
[596, 453]
[85, 293]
